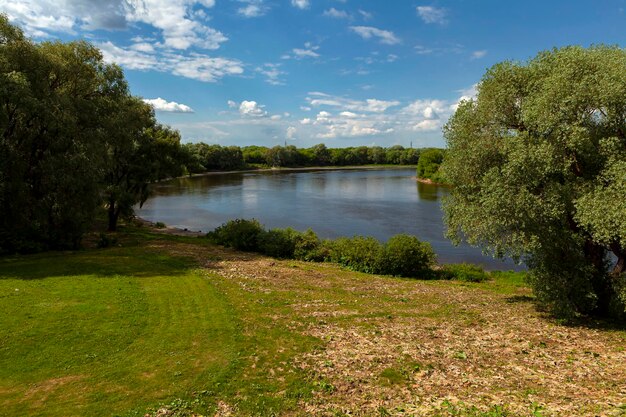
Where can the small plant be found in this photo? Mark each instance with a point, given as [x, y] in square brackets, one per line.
[160, 225]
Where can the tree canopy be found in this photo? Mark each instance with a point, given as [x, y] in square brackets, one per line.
[538, 164]
[70, 129]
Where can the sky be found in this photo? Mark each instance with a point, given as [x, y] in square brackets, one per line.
[302, 72]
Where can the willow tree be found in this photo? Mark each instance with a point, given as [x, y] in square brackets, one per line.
[538, 164]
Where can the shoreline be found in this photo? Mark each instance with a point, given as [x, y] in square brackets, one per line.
[431, 182]
[288, 169]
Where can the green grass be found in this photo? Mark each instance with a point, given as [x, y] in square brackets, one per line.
[110, 331]
[126, 330]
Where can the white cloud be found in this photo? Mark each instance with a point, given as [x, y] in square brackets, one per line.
[336, 14]
[252, 8]
[365, 15]
[174, 19]
[300, 4]
[272, 73]
[251, 109]
[180, 23]
[195, 66]
[431, 14]
[291, 132]
[369, 32]
[317, 99]
[309, 51]
[427, 125]
[160, 104]
[479, 54]
[232, 104]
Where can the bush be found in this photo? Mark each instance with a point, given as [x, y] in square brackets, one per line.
[309, 247]
[465, 272]
[278, 243]
[406, 256]
[240, 234]
[358, 253]
[105, 241]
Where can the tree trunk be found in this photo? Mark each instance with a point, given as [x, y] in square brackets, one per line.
[620, 265]
[113, 215]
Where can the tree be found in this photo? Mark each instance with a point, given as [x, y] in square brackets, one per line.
[53, 103]
[429, 163]
[538, 163]
[139, 152]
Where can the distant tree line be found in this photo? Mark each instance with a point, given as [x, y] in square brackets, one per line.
[73, 140]
[203, 157]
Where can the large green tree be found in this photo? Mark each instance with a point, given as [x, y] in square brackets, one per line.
[538, 164]
[138, 152]
[53, 98]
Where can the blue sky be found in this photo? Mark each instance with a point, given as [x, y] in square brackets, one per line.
[340, 72]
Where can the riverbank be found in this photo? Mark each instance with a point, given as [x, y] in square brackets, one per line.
[314, 168]
[431, 182]
[173, 323]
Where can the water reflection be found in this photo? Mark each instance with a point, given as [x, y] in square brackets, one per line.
[378, 203]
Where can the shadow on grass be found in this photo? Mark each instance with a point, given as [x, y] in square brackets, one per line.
[125, 261]
[520, 299]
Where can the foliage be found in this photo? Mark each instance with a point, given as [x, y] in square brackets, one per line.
[72, 135]
[278, 243]
[201, 157]
[358, 253]
[240, 234]
[465, 272]
[429, 163]
[406, 256]
[537, 163]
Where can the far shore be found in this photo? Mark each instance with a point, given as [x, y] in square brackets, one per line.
[314, 168]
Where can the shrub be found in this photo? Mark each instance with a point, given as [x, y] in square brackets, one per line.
[406, 256]
[160, 225]
[308, 247]
[465, 272]
[278, 243]
[240, 234]
[358, 253]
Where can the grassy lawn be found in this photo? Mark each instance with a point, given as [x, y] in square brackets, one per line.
[167, 321]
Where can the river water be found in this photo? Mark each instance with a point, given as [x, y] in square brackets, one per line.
[372, 202]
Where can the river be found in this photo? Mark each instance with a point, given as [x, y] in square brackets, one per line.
[370, 202]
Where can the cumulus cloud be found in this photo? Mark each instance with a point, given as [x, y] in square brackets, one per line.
[291, 132]
[300, 4]
[431, 14]
[160, 104]
[317, 99]
[195, 66]
[251, 109]
[180, 23]
[369, 32]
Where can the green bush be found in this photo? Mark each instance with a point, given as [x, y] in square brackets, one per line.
[240, 234]
[278, 243]
[357, 253]
[464, 272]
[406, 256]
[309, 247]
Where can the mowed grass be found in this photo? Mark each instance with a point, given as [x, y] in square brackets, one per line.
[115, 332]
[174, 322]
